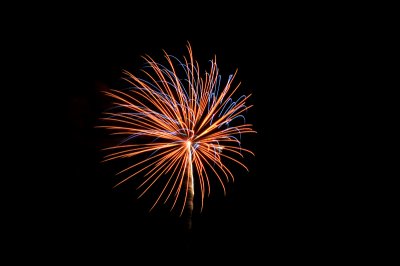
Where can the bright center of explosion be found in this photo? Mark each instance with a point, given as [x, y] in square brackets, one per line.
[188, 144]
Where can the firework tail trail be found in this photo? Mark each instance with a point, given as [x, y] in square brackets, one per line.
[190, 189]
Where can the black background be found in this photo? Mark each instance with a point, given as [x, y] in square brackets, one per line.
[290, 204]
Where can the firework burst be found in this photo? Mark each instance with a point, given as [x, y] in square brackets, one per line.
[184, 123]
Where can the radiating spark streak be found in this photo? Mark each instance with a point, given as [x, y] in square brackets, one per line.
[174, 163]
[206, 158]
[139, 171]
[168, 157]
[186, 124]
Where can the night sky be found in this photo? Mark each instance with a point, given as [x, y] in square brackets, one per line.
[284, 208]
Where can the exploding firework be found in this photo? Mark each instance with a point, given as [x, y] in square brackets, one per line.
[186, 125]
